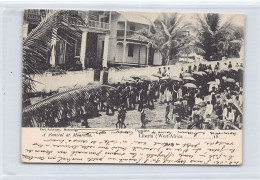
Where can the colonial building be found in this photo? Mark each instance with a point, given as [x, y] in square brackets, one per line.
[106, 40]
[123, 48]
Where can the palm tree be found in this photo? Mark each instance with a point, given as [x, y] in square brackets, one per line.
[37, 44]
[165, 35]
[215, 39]
[76, 98]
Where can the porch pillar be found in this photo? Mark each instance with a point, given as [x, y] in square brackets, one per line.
[147, 55]
[105, 52]
[53, 47]
[139, 55]
[124, 52]
[83, 49]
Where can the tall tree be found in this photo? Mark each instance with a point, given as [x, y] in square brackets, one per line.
[217, 39]
[165, 35]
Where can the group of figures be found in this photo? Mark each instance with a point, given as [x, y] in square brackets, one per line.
[202, 97]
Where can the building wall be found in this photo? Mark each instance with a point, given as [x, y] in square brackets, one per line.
[157, 58]
[137, 26]
[143, 55]
[129, 59]
[116, 50]
[119, 52]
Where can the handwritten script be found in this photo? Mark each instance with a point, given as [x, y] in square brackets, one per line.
[62, 145]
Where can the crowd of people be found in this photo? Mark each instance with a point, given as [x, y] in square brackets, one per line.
[202, 97]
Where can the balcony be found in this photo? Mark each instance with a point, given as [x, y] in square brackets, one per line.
[121, 33]
[39, 15]
[98, 25]
[91, 23]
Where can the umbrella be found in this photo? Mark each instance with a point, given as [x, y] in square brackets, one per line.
[190, 85]
[199, 73]
[230, 80]
[135, 77]
[157, 75]
[189, 78]
[165, 78]
[213, 83]
[186, 74]
[152, 78]
[129, 79]
[175, 78]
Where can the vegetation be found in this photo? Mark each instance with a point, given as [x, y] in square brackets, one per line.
[167, 35]
[38, 44]
[218, 39]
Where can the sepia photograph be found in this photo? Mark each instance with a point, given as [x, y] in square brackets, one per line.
[133, 70]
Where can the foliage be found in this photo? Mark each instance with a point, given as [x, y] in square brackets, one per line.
[37, 45]
[75, 99]
[218, 40]
[167, 35]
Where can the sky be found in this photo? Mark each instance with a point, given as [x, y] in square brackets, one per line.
[236, 19]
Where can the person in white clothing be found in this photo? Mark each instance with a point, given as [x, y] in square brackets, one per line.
[209, 110]
[225, 112]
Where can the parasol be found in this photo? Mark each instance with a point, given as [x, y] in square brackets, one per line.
[165, 78]
[199, 73]
[230, 80]
[189, 78]
[186, 74]
[175, 78]
[190, 85]
[130, 79]
[146, 78]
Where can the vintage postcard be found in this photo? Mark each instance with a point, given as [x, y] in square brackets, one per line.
[132, 87]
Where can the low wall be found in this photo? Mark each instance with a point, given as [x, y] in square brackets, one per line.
[47, 82]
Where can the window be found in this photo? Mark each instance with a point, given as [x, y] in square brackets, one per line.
[132, 27]
[130, 50]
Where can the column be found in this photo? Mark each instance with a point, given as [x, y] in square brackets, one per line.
[147, 55]
[139, 55]
[106, 50]
[124, 53]
[83, 49]
[53, 47]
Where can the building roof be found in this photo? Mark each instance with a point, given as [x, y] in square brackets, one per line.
[133, 17]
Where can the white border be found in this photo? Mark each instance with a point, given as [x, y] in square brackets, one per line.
[10, 94]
